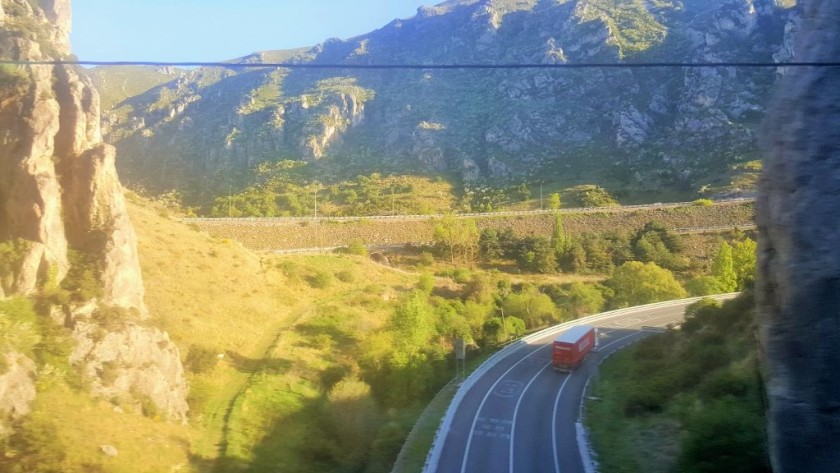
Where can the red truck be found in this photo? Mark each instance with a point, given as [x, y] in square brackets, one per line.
[572, 346]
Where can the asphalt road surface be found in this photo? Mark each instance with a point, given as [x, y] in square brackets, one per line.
[520, 415]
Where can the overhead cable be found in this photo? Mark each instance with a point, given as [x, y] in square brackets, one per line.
[456, 66]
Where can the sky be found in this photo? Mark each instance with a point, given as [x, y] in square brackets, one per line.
[217, 30]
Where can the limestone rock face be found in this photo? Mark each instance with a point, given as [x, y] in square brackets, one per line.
[132, 359]
[59, 192]
[798, 284]
[58, 184]
[17, 389]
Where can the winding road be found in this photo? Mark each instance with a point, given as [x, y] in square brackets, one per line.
[516, 414]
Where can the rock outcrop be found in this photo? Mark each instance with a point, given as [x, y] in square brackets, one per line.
[17, 389]
[139, 361]
[798, 284]
[60, 196]
[58, 184]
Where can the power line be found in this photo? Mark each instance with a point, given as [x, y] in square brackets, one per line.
[310, 65]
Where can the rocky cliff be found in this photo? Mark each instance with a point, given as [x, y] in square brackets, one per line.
[637, 128]
[62, 212]
[799, 263]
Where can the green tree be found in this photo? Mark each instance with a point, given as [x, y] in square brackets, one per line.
[413, 324]
[457, 237]
[554, 202]
[598, 257]
[705, 286]
[536, 255]
[489, 246]
[560, 238]
[654, 243]
[532, 306]
[638, 283]
[581, 299]
[497, 331]
[723, 268]
[743, 262]
[480, 288]
[476, 314]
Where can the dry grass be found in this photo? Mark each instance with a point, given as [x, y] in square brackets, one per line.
[220, 296]
[82, 425]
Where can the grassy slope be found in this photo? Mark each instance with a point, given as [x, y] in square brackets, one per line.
[252, 408]
[117, 83]
[219, 296]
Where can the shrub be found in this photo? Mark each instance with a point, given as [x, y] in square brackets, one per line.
[426, 258]
[112, 317]
[18, 327]
[12, 253]
[426, 283]
[724, 383]
[109, 373]
[82, 281]
[201, 360]
[321, 280]
[704, 202]
[345, 276]
[724, 437]
[705, 286]
[461, 275]
[290, 269]
[357, 247]
[643, 400]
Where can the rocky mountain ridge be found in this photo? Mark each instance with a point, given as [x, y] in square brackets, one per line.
[640, 128]
[63, 217]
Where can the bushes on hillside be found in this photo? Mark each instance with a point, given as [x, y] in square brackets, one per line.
[704, 378]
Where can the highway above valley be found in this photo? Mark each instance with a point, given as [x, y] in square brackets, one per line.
[516, 414]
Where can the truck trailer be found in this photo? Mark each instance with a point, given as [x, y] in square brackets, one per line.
[572, 346]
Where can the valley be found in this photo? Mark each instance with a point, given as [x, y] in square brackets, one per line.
[225, 269]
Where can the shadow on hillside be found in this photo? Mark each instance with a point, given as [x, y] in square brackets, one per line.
[252, 365]
[294, 442]
[316, 334]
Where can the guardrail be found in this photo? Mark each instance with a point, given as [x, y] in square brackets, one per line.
[718, 228]
[511, 213]
[433, 458]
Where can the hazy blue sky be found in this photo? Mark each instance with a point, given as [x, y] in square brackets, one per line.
[215, 30]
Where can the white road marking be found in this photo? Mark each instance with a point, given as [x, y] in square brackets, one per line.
[554, 425]
[554, 419]
[516, 412]
[484, 400]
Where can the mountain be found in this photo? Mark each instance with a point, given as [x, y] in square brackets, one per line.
[627, 129]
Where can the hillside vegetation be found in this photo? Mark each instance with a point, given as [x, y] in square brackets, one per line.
[688, 400]
[265, 342]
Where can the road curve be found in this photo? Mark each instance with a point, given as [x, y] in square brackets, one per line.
[515, 414]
